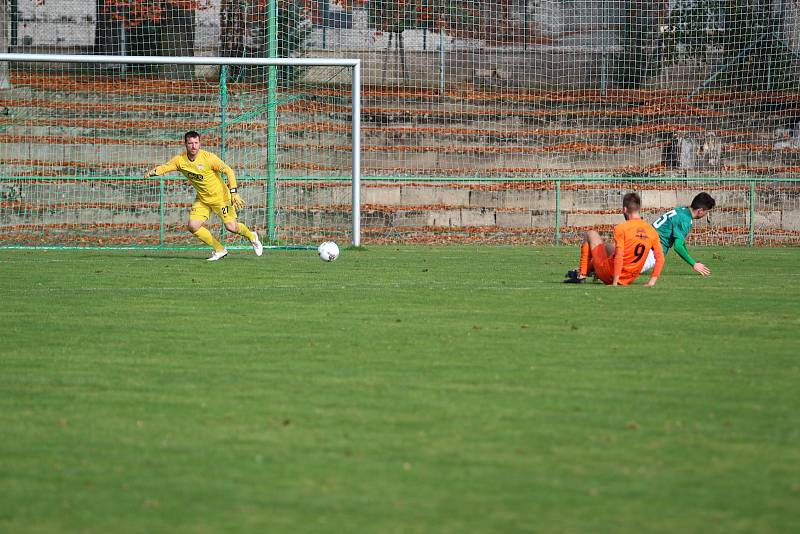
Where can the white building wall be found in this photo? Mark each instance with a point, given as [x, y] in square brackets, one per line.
[56, 23]
[71, 24]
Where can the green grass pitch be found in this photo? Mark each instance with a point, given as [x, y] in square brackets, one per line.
[398, 389]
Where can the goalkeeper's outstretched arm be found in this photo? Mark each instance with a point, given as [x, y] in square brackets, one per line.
[170, 166]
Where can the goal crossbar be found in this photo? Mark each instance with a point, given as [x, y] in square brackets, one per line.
[354, 64]
[183, 60]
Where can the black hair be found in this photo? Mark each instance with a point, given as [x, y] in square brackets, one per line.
[703, 200]
[192, 134]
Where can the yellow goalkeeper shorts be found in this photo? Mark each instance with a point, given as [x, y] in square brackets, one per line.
[202, 211]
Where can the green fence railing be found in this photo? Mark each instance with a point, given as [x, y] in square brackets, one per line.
[108, 212]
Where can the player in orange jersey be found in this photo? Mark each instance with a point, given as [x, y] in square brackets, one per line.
[620, 262]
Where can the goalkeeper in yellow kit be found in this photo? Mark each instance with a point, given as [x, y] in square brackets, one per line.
[204, 170]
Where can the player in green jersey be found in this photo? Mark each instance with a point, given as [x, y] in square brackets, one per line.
[675, 225]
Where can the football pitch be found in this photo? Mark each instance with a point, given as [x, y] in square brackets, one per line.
[397, 389]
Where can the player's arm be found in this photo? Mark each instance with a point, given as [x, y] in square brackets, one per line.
[680, 249]
[658, 252]
[680, 232]
[619, 256]
[171, 165]
[230, 176]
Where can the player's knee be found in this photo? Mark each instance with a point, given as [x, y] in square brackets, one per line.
[593, 238]
[231, 226]
[194, 226]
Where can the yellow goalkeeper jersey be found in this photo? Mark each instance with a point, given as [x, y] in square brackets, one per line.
[205, 174]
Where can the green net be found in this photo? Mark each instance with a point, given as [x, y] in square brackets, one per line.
[482, 120]
[75, 143]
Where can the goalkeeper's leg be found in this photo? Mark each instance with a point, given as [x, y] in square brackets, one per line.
[236, 227]
[197, 219]
[202, 233]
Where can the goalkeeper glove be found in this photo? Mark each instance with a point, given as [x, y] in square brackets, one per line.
[236, 200]
[151, 172]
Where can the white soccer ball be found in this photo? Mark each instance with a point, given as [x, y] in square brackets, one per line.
[328, 251]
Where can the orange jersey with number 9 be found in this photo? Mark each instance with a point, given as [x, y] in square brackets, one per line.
[633, 239]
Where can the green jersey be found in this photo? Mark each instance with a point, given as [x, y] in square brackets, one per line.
[674, 226]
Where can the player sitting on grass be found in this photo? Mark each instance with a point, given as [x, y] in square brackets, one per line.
[202, 169]
[620, 262]
[675, 225]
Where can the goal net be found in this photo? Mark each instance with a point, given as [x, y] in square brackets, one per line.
[483, 120]
[79, 132]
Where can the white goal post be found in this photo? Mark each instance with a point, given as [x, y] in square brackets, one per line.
[354, 65]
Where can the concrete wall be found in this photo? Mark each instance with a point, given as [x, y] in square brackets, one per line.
[398, 210]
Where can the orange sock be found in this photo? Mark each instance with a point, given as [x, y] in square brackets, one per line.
[583, 267]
